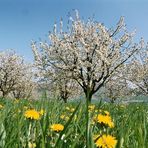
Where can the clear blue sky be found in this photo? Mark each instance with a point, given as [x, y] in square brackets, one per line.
[24, 20]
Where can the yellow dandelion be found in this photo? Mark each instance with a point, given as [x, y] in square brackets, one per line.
[31, 145]
[105, 119]
[64, 117]
[57, 127]
[106, 141]
[1, 106]
[32, 114]
[72, 110]
[91, 108]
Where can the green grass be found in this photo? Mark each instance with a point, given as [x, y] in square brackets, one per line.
[16, 131]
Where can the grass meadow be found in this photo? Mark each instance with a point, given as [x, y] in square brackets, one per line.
[78, 125]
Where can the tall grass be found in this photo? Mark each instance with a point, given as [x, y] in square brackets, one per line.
[16, 131]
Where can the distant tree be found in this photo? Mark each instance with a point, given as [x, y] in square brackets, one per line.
[137, 71]
[25, 84]
[117, 87]
[57, 84]
[13, 74]
[66, 88]
[89, 52]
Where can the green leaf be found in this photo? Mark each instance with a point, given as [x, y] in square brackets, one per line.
[2, 135]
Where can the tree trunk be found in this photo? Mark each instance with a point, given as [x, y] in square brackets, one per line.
[112, 100]
[4, 94]
[64, 96]
[65, 100]
[88, 95]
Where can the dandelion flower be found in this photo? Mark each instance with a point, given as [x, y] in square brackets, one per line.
[91, 108]
[32, 114]
[31, 145]
[105, 119]
[106, 141]
[72, 110]
[64, 117]
[1, 106]
[57, 127]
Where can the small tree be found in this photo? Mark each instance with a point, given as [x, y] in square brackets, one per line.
[9, 71]
[57, 84]
[66, 88]
[25, 84]
[117, 86]
[137, 71]
[13, 74]
[89, 52]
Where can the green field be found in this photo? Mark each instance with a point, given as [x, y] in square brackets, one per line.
[80, 125]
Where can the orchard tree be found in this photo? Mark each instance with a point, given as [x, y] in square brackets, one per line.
[58, 84]
[65, 88]
[117, 86]
[88, 52]
[9, 71]
[13, 74]
[137, 71]
[25, 84]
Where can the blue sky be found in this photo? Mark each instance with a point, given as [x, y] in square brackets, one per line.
[24, 20]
